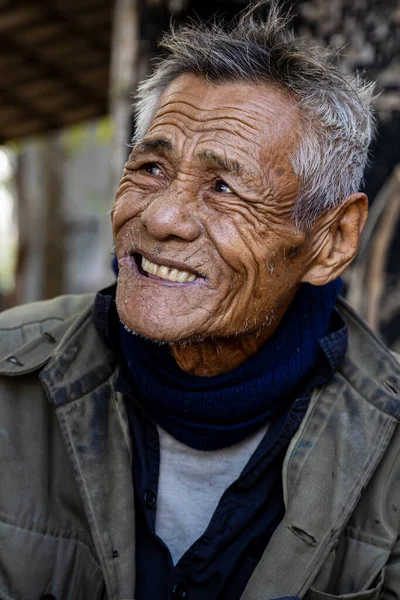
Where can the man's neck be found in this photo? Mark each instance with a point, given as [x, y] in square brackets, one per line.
[211, 357]
[215, 356]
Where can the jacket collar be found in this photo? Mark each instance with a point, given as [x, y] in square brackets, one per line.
[73, 355]
[38, 351]
[370, 368]
[80, 364]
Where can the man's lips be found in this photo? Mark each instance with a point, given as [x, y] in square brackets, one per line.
[166, 271]
[171, 264]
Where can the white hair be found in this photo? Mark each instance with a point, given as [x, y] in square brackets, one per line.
[336, 109]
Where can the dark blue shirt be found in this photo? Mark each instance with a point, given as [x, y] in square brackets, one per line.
[219, 564]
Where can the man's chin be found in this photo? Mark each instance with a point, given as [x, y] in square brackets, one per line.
[160, 330]
[143, 335]
[164, 340]
[162, 313]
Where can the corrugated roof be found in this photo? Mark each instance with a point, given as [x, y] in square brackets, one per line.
[54, 63]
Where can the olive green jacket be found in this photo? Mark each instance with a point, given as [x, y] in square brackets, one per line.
[67, 523]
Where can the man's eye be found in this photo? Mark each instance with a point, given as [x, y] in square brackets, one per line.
[222, 188]
[151, 168]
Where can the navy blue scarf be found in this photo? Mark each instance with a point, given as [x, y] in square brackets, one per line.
[214, 412]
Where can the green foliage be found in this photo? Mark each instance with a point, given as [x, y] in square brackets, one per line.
[105, 130]
[76, 136]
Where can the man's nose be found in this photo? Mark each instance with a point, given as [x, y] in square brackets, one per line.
[170, 215]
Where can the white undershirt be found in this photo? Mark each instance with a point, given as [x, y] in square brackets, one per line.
[191, 483]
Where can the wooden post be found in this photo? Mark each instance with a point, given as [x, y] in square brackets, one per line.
[30, 214]
[41, 224]
[124, 55]
[54, 250]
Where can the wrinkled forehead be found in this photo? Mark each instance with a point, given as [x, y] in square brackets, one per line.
[254, 117]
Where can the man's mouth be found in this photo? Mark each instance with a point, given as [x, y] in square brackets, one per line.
[164, 272]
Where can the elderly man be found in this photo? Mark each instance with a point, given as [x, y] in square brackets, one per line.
[218, 425]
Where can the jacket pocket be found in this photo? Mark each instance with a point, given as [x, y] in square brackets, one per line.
[374, 593]
[39, 560]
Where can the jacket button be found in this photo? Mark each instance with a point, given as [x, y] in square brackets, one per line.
[180, 591]
[150, 499]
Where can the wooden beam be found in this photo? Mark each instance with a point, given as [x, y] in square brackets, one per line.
[82, 6]
[19, 16]
[30, 127]
[10, 113]
[9, 131]
[73, 27]
[9, 60]
[63, 49]
[84, 60]
[17, 76]
[81, 114]
[94, 19]
[28, 108]
[37, 88]
[38, 59]
[39, 33]
[59, 104]
[94, 74]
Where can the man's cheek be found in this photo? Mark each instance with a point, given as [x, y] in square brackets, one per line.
[118, 217]
[242, 248]
[126, 206]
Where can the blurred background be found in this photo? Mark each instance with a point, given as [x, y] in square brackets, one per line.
[67, 73]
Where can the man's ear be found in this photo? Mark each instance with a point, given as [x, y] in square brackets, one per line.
[335, 238]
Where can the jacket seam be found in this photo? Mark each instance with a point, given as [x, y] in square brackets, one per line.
[100, 586]
[352, 315]
[314, 405]
[364, 398]
[7, 597]
[358, 535]
[39, 321]
[120, 419]
[51, 535]
[77, 535]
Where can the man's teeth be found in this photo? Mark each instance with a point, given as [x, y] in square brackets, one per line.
[166, 272]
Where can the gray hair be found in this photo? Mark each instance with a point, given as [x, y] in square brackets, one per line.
[336, 109]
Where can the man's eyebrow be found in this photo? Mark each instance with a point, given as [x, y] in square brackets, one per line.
[153, 145]
[222, 163]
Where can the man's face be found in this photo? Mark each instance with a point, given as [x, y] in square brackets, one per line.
[204, 238]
